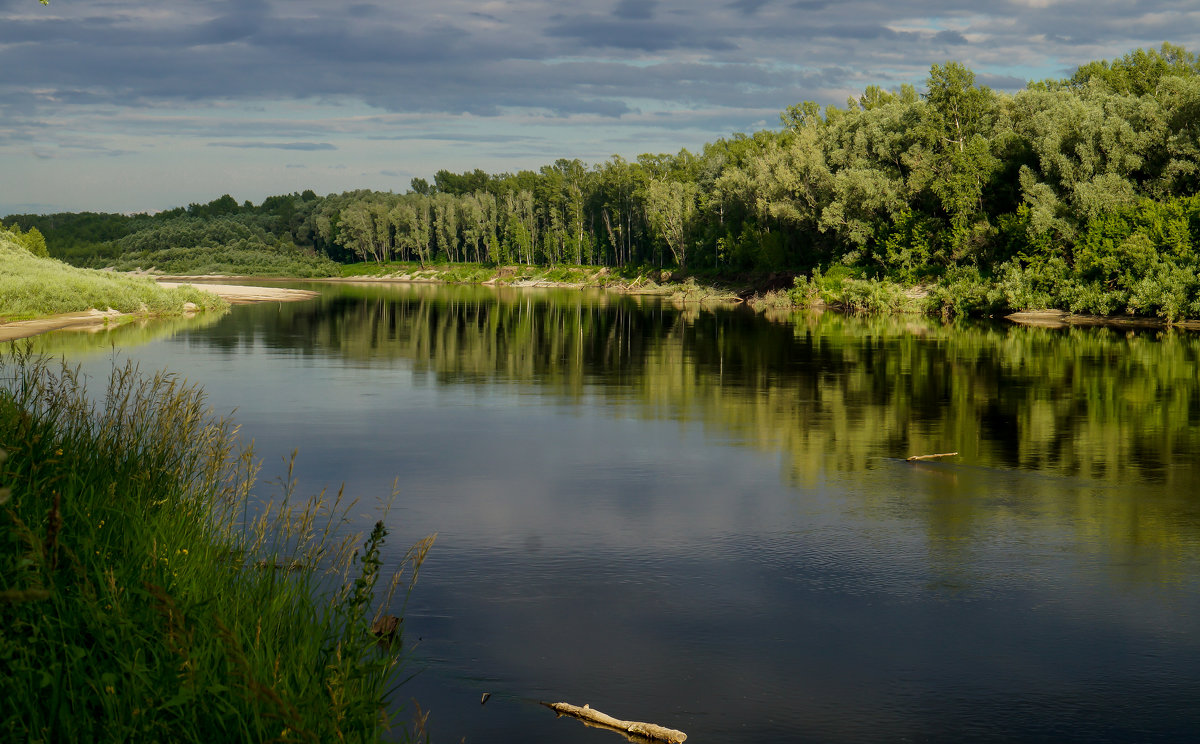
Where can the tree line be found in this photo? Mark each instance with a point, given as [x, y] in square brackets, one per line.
[1079, 193]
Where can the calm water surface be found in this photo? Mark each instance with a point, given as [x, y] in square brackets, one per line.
[702, 518]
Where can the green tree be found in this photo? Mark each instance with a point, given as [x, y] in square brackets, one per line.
[958, 118]
[35, 243]
[670, 208]
[1139, 73]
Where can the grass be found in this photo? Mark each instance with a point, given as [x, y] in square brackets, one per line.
[32, 287]
[141, 601]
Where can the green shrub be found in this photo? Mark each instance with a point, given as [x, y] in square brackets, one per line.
[805, 291]
[964, 292]
[1033, 283]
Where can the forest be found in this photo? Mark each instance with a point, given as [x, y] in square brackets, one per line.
[1078, 194]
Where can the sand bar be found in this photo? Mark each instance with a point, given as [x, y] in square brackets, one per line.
[239, 294]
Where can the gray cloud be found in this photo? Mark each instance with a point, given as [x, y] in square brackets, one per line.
[949, 37]
[635, 9]
[683, 71]
[452, 58]
[749, 7]
[311, 146]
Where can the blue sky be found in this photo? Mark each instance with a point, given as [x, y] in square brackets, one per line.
[117, 105]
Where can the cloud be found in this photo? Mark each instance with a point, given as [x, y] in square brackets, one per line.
[286, 74]
[635, 9]
[749, 7]
[949, 37]
[310, 146]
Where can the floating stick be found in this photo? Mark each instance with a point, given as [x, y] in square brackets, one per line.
[634, 730]
[930, 457]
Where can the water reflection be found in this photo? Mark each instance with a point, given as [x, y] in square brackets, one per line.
[702, 519]
[123, 334]
[1037, 415]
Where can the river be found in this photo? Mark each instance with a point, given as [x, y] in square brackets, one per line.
[703, 518]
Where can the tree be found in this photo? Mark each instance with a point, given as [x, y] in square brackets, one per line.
[670, 208]
[367, 231]
[958, 117]
[1138, 73]
[801, 115]
[35, 243]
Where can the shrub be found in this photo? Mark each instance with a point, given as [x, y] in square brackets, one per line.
[963, 291]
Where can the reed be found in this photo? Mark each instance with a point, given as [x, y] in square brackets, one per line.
[141, 601]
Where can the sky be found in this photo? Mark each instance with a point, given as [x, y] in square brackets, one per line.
[136, 105]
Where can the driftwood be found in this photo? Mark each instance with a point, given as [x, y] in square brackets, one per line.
[930, 457]
[633, 730]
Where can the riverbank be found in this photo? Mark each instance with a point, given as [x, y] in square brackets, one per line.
[838, 289]
[141, 601]
[93, 319]
[239, 294]
[1062, 319]
[775, 293]
[39, 294]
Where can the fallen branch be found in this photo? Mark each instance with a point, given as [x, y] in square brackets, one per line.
[632, 729]
[930, 457]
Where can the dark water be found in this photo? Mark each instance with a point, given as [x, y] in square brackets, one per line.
[702, 519]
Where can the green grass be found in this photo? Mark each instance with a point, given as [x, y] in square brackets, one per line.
[140, 600]
[32, 287]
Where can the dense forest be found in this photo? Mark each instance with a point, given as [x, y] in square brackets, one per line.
[1078, 193]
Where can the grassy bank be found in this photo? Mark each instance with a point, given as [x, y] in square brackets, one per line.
[34, 287]
[137, 603]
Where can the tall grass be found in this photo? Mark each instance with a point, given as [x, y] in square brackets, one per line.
[139, 601]
[32, 287]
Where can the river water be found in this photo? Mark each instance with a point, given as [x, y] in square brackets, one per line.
[703, 518]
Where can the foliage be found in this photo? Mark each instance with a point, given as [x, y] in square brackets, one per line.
[140, 600]
[221, 245]
[964, 292]
[31, 240]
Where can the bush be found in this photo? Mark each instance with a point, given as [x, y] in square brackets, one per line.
[963, 292]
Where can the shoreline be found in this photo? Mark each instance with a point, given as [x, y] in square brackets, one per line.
[1053, 319]
[93, 319]
[239, 294]
[1063, 319]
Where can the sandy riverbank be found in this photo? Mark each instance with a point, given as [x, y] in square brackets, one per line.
[1063, 319]
[238, 294]
[95, 319]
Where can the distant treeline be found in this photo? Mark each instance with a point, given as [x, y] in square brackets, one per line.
[1078, 193]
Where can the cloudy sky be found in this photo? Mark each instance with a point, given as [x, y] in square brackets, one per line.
[133, 105]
